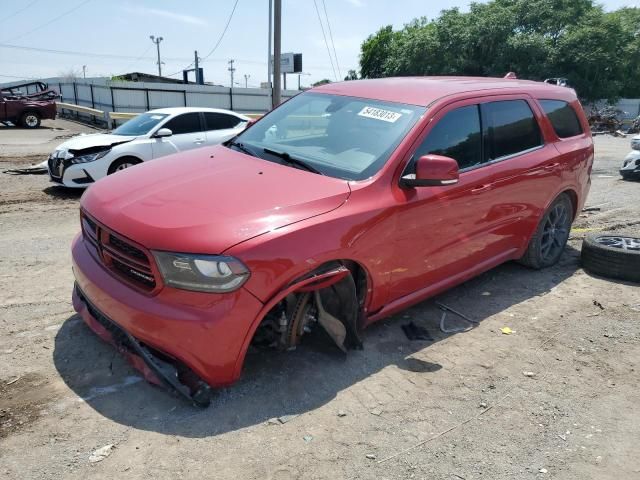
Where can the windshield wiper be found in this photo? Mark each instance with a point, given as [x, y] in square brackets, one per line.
[241, 146]
[293, 161]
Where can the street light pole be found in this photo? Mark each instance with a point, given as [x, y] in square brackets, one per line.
[277, 50]
[84, 71]
[231, 70]
[270, 86]
[157, 42]
[246, 80]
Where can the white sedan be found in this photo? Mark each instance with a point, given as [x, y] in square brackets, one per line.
[82, 160]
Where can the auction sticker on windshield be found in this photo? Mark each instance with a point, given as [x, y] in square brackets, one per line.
[379, 114]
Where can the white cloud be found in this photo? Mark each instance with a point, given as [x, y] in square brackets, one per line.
[356, 3]
[178, 17]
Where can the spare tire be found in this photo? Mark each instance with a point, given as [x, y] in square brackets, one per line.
[612, 255]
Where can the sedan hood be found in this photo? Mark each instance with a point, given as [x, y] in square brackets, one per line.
[208, 200]
[94, 140]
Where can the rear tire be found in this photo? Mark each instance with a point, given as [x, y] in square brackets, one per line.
[550, 238]
[612, 255]
[30, 120]
[122, 164]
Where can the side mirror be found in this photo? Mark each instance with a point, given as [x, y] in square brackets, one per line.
[432, 171]
[163, 132]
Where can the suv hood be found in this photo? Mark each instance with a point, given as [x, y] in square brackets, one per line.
[93, 140]
[208, 200]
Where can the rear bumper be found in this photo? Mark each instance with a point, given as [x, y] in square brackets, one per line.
[204, 332]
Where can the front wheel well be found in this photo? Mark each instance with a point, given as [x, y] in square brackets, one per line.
[344, 286]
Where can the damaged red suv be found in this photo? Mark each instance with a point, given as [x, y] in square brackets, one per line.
[346, 204]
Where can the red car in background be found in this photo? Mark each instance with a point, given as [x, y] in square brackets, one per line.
[344, 205]
[27, 109]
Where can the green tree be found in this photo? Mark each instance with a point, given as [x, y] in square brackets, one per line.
[598, 52]
[351, 75]
[321, 82]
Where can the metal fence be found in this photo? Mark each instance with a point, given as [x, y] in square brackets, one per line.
[137, 97]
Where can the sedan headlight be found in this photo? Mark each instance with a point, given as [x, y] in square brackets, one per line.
[201, 273]
[89, 157]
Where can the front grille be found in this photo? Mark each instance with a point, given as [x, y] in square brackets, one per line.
[127, 248]
[120, 256]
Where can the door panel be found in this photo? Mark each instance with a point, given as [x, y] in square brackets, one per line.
[442, 231]
[220, 127]
[187, 134]
[522, 177]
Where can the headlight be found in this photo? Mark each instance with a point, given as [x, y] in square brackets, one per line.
[64, 154]
[89, 157]
[202, 273]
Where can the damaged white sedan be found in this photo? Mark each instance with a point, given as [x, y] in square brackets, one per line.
[81, 161]
[631, 164]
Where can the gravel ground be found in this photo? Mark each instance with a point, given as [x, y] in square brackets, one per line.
[458, 407]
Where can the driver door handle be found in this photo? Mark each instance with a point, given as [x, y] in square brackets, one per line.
[551, 166]
[199, 140]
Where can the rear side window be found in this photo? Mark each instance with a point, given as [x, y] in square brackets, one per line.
[457, 135]
[563, 118]
[185, 123]
[511, 128]
[220, 121]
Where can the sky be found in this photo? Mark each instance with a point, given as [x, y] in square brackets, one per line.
[111, 37]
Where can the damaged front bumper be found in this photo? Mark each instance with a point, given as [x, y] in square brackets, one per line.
[191, 337]
[631, 165]
[156, 367]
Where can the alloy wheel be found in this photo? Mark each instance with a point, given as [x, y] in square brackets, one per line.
[624, 243]
[122, 166]
[555, 232]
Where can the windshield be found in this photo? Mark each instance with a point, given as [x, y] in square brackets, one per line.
[140, 125]
[340, 136]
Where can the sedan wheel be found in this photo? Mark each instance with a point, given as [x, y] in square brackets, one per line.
[122, 166]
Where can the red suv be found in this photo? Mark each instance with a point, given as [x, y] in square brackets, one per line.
[342, 206]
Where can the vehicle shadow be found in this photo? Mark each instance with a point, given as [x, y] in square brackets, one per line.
[275, 384]
[63, 193]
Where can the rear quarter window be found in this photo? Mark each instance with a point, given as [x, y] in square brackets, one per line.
[511, 126]
[563, 118]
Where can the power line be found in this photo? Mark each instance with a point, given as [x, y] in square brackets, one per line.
[223, 32]
[130, 64]
[202, 59]
[18, 11]
[325, 40]
[55, 19]
[335, 54]
[115, 56]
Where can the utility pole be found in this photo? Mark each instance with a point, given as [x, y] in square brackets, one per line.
[231, 70]
[195, 62]
[246, 80]
[84, 71]
[277, 50]
[270, 86]
[157, 42]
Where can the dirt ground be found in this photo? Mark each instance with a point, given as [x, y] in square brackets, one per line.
[457, 407]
